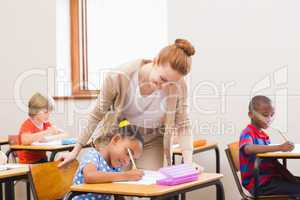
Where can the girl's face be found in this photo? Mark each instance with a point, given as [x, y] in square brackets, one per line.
[161, 75]
[42, 116]
[118, 150]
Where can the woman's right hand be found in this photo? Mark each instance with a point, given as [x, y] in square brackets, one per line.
[133, 175]
[66, 158]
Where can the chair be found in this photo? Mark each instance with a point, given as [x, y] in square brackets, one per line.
[232, 153]
[50, 182]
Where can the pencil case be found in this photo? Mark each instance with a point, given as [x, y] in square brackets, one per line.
[178, 174]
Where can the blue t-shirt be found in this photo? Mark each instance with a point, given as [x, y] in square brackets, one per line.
[94, 157]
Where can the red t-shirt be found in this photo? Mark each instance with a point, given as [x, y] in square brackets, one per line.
[28, 127]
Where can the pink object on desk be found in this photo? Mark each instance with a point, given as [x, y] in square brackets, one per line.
[178, 174]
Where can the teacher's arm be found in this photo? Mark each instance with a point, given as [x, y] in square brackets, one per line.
[103, 105]
[182, 123]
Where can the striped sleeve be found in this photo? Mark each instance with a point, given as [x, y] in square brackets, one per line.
[245, 140]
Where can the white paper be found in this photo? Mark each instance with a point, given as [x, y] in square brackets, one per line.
[150, 177]
[11, 166]
[50, 143]
[296, 149]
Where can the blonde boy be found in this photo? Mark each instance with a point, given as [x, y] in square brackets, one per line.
[37, 128]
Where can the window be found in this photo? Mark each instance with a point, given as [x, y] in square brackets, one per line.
[106, 33]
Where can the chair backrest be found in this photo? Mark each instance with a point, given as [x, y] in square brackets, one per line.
[232, 153]
[234, 150]
[51, 182]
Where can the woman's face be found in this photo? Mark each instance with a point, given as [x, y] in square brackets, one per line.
[161, 75]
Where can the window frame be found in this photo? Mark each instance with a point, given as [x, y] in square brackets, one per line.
[79, 61]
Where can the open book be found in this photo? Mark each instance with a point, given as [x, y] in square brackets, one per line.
[150, 177]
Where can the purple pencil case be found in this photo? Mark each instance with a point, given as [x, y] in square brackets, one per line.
[178, 174]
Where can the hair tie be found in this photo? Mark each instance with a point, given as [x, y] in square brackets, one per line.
[123, 123]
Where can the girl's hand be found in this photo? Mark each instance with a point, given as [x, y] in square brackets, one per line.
[133, 175]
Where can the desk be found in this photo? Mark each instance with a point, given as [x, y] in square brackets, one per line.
[9, 176]
[155, 192]
[3, 140]
[207, 147]
[53, 149]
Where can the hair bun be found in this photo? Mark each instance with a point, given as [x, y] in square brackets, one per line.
[186, 46]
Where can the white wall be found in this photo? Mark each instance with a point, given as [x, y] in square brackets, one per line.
[239, 43]
[27, 41]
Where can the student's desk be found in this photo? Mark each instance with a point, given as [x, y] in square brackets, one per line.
[295, 154]
[54, 149]
[9, 176]
[206, 147]
[151, 191]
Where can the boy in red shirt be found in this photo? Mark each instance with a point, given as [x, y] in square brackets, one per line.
[273, 178]
[37, 128]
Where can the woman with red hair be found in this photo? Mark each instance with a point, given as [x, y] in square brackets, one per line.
[150, 94]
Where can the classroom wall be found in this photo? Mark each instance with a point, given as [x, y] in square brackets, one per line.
[27, 44]
[243, 47]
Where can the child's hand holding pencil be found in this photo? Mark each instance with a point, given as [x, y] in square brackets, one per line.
[287, 146]
[134, 174]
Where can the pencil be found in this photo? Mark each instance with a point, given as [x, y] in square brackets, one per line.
[283, 136]
[286, 139]
[131, 158]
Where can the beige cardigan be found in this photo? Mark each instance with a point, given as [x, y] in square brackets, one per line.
[111, 101]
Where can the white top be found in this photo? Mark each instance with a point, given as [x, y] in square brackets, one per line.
[143, 111]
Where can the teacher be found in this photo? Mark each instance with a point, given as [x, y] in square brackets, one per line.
[150, 94]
